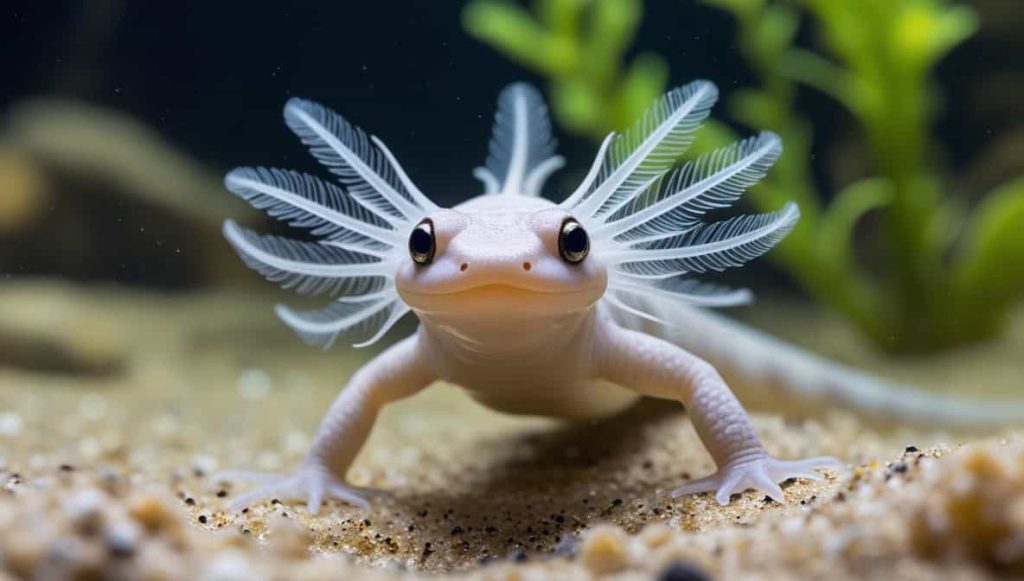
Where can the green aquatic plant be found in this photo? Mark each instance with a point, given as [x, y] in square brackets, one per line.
[946, 275]
[579, 46]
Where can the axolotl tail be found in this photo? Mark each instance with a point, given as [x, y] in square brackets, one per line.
[768, 373]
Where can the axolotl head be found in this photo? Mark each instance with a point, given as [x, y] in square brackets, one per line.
[497, 255]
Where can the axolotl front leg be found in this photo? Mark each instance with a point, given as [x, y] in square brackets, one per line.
[660, 369]
[628, 358]
[396, 373]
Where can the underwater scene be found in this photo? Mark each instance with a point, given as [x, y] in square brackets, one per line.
[508, 289]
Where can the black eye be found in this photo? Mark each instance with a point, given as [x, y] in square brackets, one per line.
[573, 242]
[421, 242]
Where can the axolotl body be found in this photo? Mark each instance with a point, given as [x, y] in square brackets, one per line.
[528, 305]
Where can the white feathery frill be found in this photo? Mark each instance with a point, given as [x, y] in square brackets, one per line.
[678, 199]
[361, 228]
[644, 213]
[521, 155]
[646, 151]
[371, 175]
[716, 246]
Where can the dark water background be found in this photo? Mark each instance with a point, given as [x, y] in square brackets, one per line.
[211, 77]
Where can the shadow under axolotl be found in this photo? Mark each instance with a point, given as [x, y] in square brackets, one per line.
[537, 491]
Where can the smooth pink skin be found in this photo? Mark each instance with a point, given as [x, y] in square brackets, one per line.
[530, 340]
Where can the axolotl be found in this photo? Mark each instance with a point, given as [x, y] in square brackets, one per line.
[536, 307]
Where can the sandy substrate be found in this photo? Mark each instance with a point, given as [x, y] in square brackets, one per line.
[105, 468]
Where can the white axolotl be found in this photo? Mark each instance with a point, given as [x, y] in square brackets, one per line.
[533, 307]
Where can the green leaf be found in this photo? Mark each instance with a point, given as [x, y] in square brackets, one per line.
[989, 274]
[711, 136]
[924, 32]
[755, 108]
[813, 70]
[775, 29]
[642, 84]
[579, 107]
[837, 223]
[514, 32]
[955, 25]
[611, 27]
[614, 22]
[562, 17]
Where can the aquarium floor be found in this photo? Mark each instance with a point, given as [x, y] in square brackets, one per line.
[105, 468]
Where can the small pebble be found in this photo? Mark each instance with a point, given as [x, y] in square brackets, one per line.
[203, 465]
[254, 384]
[85, 509]
[11, 425]
[153, 511]
[567, 547]
[655, 535]
[682, 571]
[22, 551]
[604, 549]
[231, 565]
[122, 538]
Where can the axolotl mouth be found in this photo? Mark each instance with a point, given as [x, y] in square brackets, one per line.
[512, 299]
[504, 288]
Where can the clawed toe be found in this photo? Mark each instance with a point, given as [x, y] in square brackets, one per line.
[355, 495]
[706, 484]
[260, 494]
[246, 476]
[780, 470]
[762, 474]
[311, 484]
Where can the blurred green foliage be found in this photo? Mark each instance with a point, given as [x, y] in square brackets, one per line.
[579, 46]
[948, 276]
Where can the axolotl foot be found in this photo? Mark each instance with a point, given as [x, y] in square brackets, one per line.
[762, 473]
[311, 483]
